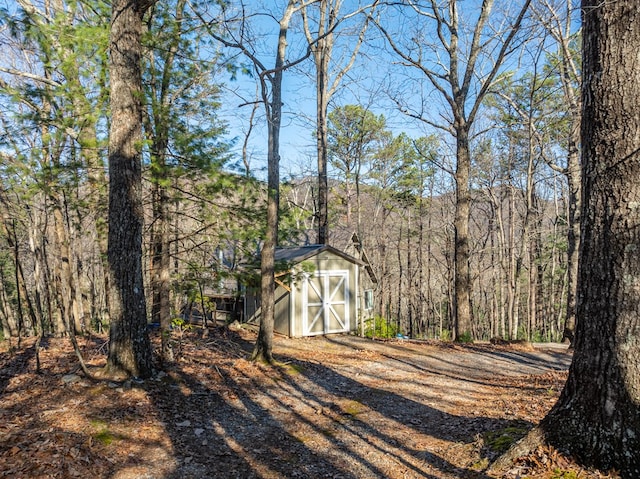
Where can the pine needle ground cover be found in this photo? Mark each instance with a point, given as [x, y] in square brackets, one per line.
[338, 407]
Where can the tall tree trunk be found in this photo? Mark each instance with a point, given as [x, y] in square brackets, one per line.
[464, 45]
[410, 291]
[527, 239]
[161, 267]
[322, 44]
[462, 277]
[161, 94]
[129, 346]
[322, 48]
[36, 247]
[563, 31]
[421, 284]
[573, 235]
[86, 136]
[67, 284]
[597, 417]
[263, 349]
[7, 314]
[26, 325]
[12, 319]
[400, 293]
[322, 66]
[598, 414]
[514, 270]
[160, 273]
[535, 274]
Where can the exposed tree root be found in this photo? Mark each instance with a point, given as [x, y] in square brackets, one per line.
[76, 350]
[525, 446]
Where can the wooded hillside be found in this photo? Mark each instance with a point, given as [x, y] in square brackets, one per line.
[482, 156]
[204, 200]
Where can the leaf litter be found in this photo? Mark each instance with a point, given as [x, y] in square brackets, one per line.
[332, 407]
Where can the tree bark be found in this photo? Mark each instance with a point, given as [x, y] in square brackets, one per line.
[573, 234]
[161, 265]
[323, 186]
[598, 414]
[463, 47]
[570, 84]
[322, 55]
[597, 417]
[462, 276]
[129, 347]
[263, 349]
[160, 239]
[322, 48]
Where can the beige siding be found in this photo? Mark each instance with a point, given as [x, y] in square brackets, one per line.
[325, 302]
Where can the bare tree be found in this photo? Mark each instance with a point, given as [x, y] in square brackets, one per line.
[263, 349]
[321, 39]
[557, 18]
[461, 64]
[270, 80]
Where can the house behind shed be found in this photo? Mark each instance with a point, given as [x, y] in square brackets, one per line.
[318, 294]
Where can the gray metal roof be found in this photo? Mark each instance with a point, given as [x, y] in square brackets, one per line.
[300, 253]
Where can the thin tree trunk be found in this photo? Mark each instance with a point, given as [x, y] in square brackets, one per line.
[322, 66]
[160, 268]
[573, 237]
[7, 314]
[12, 320]
[411, 292]
[28, 324]
[322, 47]
[422, 297]
[263, 348]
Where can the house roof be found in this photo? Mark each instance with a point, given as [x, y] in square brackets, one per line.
[364, 257]
[301, 253]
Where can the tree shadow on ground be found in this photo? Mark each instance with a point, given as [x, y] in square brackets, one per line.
[16, 363]
[472, 363]
[239, 435]
[40, 416]
[303, 419]
[375, 415]
[216, 415]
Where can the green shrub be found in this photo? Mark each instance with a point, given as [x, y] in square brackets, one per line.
[465, 338]
[381, 328]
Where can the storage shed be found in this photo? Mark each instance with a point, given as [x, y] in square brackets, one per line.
[317, 295]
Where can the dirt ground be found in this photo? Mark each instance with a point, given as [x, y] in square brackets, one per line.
[334, 407]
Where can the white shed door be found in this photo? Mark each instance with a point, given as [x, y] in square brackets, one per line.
[325, 307]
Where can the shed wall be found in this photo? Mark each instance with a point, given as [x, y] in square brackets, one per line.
[281, 314]
[290, 305]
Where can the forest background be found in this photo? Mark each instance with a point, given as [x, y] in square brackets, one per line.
[396, 114]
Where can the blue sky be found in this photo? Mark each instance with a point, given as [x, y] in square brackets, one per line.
[365, 85]
[369, 83]
[375, 74]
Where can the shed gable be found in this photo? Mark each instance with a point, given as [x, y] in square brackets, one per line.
[321, 297]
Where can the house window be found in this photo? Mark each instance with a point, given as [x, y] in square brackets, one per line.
[368, 299]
